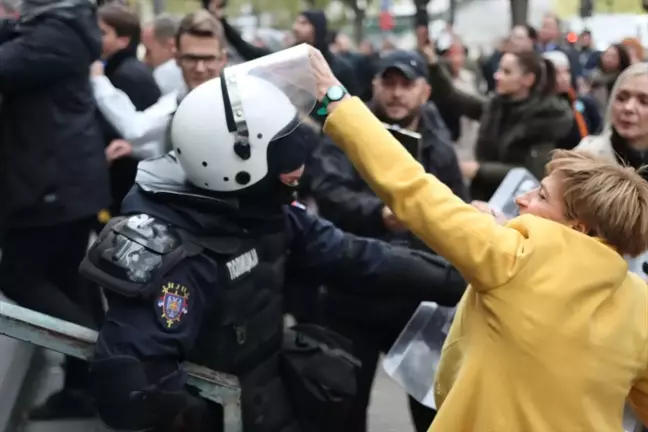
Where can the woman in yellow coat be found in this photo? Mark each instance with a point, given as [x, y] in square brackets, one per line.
[552, 334]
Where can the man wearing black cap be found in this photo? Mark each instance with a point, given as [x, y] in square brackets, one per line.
[400, 96]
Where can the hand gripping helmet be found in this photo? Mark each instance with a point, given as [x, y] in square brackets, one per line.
[222, 129]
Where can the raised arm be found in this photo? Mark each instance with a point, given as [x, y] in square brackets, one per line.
[136, 127]
[487, 254]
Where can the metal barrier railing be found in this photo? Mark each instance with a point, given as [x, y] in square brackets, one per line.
[76, 341]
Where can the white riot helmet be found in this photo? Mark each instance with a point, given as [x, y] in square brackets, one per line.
[222, 129]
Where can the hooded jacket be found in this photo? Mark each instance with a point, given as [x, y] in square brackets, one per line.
[52, 164]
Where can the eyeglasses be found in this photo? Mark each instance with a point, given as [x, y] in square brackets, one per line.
[192, 60]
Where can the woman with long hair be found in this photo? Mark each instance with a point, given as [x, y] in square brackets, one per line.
[519, 126]
[612, 62]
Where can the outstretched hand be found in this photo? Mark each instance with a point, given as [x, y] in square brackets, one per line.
[485, 208]
[97, 68]
[118, 149]
[391, 221]
[426, 48]
[324, 77]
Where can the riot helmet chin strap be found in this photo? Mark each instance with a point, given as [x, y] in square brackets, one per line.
[235, 115]
[237, 123]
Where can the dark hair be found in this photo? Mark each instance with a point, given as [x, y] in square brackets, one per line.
[206, 3]
[125, 22]
[624, 57]
[331, 37]
[200, 24]
[543, 71]
[531, 32]
[550, 77]
[586, 32]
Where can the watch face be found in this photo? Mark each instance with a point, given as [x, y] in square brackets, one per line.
[335, 93]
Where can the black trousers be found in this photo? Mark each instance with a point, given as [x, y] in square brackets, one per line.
[39, 271]
[369, 345]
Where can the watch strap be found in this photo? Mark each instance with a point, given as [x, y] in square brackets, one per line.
[323, 110]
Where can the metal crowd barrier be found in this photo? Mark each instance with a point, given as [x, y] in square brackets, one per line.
[76, 341]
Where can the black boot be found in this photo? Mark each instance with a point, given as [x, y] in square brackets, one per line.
[65, 404]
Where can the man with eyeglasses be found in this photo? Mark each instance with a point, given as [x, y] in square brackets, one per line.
[201, 56]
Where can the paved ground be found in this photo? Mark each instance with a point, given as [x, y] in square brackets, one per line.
[388, 411]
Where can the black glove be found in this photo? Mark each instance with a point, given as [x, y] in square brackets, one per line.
[7, 29]
[175, 410]
[195, 417]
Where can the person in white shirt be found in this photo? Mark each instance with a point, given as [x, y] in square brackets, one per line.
[201, 56]
[158, 37]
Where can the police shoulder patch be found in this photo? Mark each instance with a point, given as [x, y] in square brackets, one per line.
[173, 304]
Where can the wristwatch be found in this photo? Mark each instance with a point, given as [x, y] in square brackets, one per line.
[333, 94]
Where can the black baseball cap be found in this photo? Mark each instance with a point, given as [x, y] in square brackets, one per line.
[409, 63]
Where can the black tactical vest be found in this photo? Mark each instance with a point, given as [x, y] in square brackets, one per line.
[242, 329]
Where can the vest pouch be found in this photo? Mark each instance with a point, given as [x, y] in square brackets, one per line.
[265, 401]
[320, 372]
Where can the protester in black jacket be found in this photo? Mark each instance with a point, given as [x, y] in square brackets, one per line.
[343, 197]
[53, 171]
[121, 37]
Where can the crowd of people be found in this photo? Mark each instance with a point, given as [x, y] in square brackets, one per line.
[222, 205]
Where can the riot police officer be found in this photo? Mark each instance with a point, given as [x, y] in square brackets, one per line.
[194, 271]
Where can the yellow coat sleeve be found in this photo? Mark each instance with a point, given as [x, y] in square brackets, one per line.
[485, 253]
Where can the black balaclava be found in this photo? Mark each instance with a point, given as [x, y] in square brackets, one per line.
[317, 18]
[285, 155]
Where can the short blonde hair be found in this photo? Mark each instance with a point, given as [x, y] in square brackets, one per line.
[609, 199]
